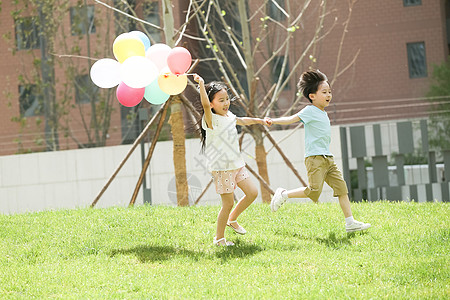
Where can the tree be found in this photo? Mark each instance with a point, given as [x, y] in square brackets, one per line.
[176, 119]
[70, 106]
[439, 97]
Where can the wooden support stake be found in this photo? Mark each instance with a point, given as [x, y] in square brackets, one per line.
[189, 105]
[261, 180]
[204, 191]
[286, 160]
[133, 147]
[149, 154]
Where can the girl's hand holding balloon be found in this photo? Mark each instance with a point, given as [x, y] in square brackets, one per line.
[198, 79]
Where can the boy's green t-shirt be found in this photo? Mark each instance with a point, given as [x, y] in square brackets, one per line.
[317, 131]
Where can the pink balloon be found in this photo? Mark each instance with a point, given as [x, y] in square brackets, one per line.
[158, 53]
[179, 60]
[128, 96]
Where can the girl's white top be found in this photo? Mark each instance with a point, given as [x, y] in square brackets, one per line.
[222, 143]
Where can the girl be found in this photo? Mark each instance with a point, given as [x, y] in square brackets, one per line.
[220, 145]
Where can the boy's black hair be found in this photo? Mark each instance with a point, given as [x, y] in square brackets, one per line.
[309, 82]
[212, 89]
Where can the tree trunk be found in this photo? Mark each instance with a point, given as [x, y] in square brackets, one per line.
[176, 118]
[261, 161]
[179, 151]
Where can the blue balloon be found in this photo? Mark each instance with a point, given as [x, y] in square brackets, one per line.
[154, 94]
[143, 37]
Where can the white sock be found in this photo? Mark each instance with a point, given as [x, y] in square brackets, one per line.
[284, 194]
[349, 220]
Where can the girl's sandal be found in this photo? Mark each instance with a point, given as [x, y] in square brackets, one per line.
[239, 230]
[225, 242]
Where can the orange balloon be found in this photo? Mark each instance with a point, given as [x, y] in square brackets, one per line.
[172, 84]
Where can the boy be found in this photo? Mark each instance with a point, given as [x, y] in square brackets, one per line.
[319, 161]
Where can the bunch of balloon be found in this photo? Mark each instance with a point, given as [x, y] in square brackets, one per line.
[142, 70]
[172, 65]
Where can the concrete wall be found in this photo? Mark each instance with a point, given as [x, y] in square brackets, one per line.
[396, 138]
[417, 175]
[73, 178]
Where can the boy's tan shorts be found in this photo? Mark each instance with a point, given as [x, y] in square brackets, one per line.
[322, 169]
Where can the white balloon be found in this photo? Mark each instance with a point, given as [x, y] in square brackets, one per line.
[158, 54]
[138, 72]
[105, 73]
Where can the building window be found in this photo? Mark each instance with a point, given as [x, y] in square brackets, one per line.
[417, 60]
[412, 2]
[276, 70]
[30, 101]
[82, 20]
[27, 33]
[447, 17]
[85, 90]
[151, 15]
[276, 8]
[129, 124]
[448, 33]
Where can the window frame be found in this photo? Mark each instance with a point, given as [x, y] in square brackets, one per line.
[24, 42]
[277, 65]
[411, 62]
[79, 29]
[151, 15]
[90, 91]
[274, 12]
[407, 3]
[26, 92]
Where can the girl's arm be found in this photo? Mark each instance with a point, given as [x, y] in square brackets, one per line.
[205, 101]
[250, 121]
[286, 120]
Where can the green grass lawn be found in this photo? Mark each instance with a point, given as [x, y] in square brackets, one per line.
[302, 252]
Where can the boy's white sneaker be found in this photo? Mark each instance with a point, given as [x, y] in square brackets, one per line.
[357, 226]
[277, 200]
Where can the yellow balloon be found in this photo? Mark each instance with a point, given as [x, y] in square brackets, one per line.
[172, 84]
[127, 47]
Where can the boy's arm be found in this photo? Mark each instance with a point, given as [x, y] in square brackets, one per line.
[250, 121]
[286, 120]
[205, 101]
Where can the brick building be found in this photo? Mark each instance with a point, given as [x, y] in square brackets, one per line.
[394, 43]
[400, 41]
